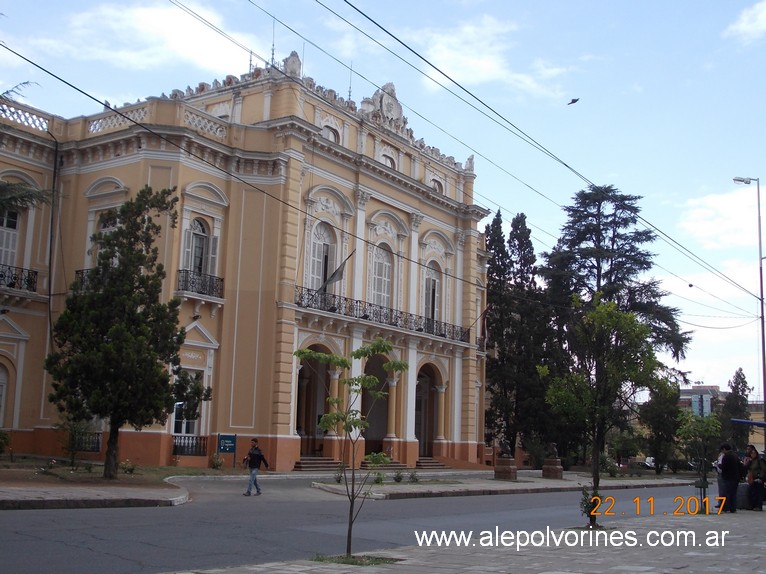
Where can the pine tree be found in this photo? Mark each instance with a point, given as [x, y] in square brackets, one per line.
[115, 339]
[597, 281]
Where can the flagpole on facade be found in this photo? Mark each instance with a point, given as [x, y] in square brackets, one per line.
[336, 275]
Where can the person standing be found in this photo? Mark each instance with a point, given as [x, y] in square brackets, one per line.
[253, 460]
[730, 472]
[756, 474]
[721, 485]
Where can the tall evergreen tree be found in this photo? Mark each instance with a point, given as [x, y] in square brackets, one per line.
[115, 338]
[735, 407]
[517, 323]
[596, 278]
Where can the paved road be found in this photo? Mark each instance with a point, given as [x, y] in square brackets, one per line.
[219, 528]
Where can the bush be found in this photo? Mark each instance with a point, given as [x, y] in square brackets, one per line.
[398, 476]
[379, 478]
[609, 466]
[216, 461]
[127, 467]
[5, 440]
[414, 476]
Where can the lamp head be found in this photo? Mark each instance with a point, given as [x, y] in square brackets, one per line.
[745, 180]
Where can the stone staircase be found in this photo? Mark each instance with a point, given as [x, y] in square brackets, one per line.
[315, 464]
[428, 463]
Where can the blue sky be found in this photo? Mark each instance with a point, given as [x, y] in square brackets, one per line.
[670, 108]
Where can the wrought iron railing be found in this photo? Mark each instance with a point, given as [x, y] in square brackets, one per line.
[200, 283]
[18, 278]
[88, 442]
[313, 299]
[189, 445]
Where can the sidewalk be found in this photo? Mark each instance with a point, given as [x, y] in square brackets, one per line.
[556, 551]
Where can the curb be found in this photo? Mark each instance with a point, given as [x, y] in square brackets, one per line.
[490, 491]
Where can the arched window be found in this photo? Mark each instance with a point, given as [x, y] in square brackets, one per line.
[199, 247]
[382, 271]
[331, 134]
[433, 292]
[437, 186]
[388, 160]
[322, 255]
[199, 257]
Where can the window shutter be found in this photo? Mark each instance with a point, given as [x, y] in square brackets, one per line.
[186, 264]
[213, 266]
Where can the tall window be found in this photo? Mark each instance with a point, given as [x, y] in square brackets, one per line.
[322, 255]
[199, 247]
[8, 237]
[433, 292]
[180, 424]
[381, 276]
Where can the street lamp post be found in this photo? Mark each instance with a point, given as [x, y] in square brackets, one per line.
[748, 181]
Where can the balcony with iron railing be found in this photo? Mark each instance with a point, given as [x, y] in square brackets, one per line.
[200, 284]
[353, 308]
[18, 278]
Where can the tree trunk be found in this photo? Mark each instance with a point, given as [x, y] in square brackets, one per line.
[110, 463]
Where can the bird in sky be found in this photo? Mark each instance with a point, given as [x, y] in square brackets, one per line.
[574, 101]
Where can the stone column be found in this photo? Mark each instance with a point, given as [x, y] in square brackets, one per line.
[391, 427]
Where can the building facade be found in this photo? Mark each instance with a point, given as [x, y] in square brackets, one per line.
[305, 221]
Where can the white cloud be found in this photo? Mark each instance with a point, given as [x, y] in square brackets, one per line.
[479, 52]
[751, 24]
[147, 36]
[722, 221]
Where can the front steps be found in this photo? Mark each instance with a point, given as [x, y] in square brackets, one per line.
[326, 463]
[428, 463]
[315, 464]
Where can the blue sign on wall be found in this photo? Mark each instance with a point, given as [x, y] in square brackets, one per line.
[227, 442]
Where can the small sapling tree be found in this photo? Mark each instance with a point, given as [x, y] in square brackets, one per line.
[347, 419]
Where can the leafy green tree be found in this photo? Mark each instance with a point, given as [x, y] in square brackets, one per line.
[735, 406]
[346, 417]
[660, 416]
[601, 252]
[699, 438]
[601, 259]
[613, 359]
[117, 344]
[517, 325]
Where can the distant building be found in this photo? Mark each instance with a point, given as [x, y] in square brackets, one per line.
[702, 400]
[280, 182]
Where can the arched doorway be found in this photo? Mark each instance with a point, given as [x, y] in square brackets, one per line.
[376, 410]
[425, 410]
[313, 389]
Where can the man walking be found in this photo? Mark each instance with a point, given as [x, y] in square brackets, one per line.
[253, 460]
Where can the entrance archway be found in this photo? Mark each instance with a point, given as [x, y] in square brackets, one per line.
[425, 410]
[313, 390]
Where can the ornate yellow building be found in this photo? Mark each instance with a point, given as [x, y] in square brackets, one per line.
[280, 182]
